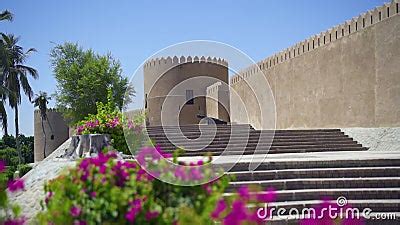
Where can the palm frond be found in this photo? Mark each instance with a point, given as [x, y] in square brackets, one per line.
[6, 15]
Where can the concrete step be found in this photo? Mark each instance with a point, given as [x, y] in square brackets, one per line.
[240, 151]
[322, 183]
[315, 173]
[251, 146]
[277, 142]
[250, 139]
[334, 193]
[245, 133]
[348, 163]
[376, 205]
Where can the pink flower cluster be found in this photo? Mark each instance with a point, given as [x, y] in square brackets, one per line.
[322, 215]
[238, 213]
[113, 123]
[15, 185]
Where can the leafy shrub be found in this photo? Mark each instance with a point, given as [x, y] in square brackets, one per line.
[10, 157]
[108, 120]
[23, 169]
[105, 190]
[9, 212]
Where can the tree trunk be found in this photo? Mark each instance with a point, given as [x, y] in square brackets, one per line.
[6, 131]
[45, 139]
[16, 135]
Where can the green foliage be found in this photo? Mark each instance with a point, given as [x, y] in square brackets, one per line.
[83, 78]
[104, 190]
[108, 120]
[9, 155]
[9, 212]
[23, 169]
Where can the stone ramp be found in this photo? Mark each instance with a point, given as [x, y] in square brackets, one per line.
[244, 140]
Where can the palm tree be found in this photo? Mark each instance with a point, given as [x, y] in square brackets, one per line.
[4, 15]
[15, 76]
[41, 101]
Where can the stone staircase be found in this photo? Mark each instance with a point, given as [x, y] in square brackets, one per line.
[244, 140]
[306, 166]
[366, 183]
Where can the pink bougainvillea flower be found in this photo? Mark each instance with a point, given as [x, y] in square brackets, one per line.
[151, 215]
[75, 211]
[15, 185]
[93, 194]
[195, 174]
[48, 197]
[322, 215]
[135, 208]
[146, 152]
[243, 192]
[237, 215]
[268, 196]
[162, 153]
[180, 173]
[221, 206]
[15, 221]
[2, 166]
[80, 129]
[79, 222]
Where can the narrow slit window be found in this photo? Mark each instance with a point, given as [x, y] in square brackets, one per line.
[303, 49]
[380, 16]
[313, 44]
[330, 37]
[145, 101]
[324, 39]
[318, 42]
[397, 7]
[356, 26]
[388, 12]
[189, 97]
[289, 55]
[349, 29]
[363, 22]
[336, 34]
[372, 20]
[342, 32]
[308, 47]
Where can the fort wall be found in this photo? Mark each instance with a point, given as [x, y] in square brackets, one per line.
[218, 102]
[168, 79]
[347, 76]
[56, 129]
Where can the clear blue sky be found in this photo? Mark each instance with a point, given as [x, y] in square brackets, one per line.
[134, 30]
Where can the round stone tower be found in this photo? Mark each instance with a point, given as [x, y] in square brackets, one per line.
[178, 87]
[56, 130]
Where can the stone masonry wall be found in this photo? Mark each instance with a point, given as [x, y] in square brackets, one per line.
[348, 76]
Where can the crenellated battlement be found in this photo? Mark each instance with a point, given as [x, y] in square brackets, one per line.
[349, 27]
[171, 61]
[37, 111]
[213, 88]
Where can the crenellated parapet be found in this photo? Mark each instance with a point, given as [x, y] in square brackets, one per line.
[173, 61]
[49, 110]
[349, 27]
